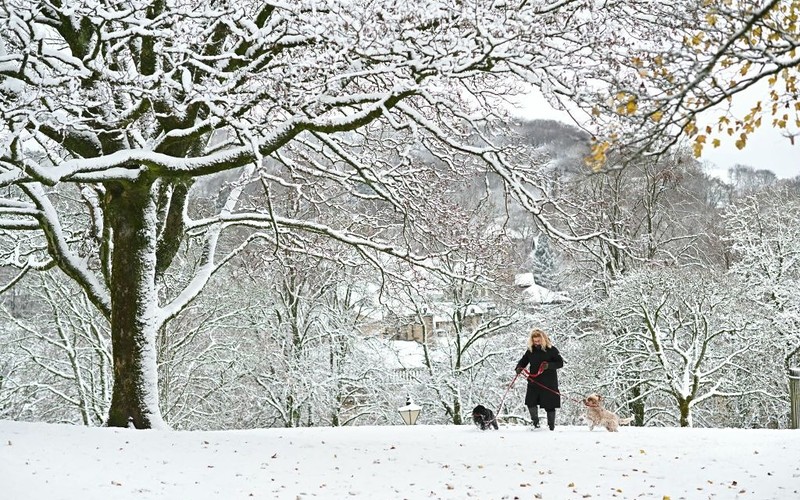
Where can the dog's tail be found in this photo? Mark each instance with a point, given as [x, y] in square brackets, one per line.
[625, 421]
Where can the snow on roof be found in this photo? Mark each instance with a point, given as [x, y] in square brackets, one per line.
[538, 294]
[398, 354]
[524, 280]
[409, 353]
[474, 309]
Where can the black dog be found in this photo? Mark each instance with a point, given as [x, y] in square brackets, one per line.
[484, 418]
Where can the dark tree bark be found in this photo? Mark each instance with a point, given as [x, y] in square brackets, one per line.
[131, 212]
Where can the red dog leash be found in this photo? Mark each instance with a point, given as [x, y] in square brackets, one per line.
[504, 398]
[532, 378]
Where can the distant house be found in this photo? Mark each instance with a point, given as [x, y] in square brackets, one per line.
[403, 361]
[535, 294]
[437, 319]
[411, 327]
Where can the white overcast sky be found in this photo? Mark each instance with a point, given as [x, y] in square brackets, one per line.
[766, 148]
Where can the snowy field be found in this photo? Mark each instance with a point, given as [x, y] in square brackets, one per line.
[43, 461]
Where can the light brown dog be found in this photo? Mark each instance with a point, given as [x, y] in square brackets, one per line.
[597, 415]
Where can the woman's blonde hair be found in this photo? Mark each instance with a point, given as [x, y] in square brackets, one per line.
[539, 333]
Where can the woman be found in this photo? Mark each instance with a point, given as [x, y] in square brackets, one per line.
[543, 389]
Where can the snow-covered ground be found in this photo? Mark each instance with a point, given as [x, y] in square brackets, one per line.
[44, 461]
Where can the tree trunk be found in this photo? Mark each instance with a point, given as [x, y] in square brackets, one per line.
[131, 215]
[637, 408]
[686, 416]
[457, 420]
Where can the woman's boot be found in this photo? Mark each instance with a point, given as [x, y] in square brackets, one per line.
[551, 419]
[534, 411]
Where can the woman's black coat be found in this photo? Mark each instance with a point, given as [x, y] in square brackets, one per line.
[536, 394]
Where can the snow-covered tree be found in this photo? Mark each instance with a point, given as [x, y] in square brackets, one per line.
[676, 70]
[654, 211]
[683, 339]
[765, 242]
[60, 352]
[118, 108]
[456, 315]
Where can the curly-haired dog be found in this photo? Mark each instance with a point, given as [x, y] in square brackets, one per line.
[484, 418]
[597, 415]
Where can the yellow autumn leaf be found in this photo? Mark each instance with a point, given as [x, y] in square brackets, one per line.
[656, 117]
[597, 158]
[716, 143]
[745, 68]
